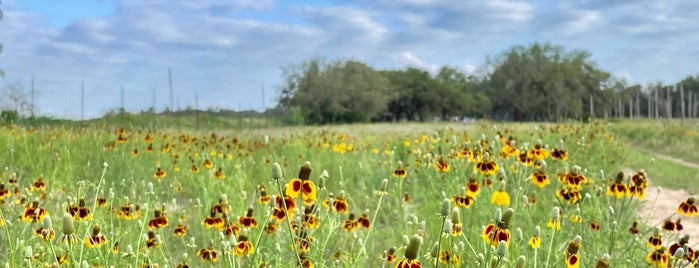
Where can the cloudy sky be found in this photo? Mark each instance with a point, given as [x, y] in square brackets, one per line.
[226, 51]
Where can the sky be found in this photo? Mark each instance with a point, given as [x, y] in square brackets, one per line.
[231, 54]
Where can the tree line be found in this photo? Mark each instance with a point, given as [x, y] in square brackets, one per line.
[539, 82]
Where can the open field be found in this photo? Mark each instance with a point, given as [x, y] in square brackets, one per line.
[184, 198]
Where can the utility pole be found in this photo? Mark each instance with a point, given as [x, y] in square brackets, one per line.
[592, 107]
[31, 108]
[196, 107]
[682, 100]
[169, 75]
[121, 111]
[82, 100]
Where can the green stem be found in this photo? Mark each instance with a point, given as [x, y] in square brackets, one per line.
[548, 255]
[9, 240]
[143, 228]
[439, 242]
[373, 223]
[288, 221]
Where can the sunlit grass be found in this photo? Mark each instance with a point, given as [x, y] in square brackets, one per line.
[184, 198]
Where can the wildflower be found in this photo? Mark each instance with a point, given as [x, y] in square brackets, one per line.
[222, 206]
[244, 247]
[500, 197]
[288, 201]
[302, 186]
[555, 220]
[339, 204]
[181, 230]
[573, 178]
[572, 258]
[38, 185]
[248, 221]
[655, 241]
[34, 213]
[689, 255]
[448, 257]
[101, 201]
[457, 225]
[618, 189]
[68, 229]
[208, 254]
[350, 224]
[688, 208]
[494, 233]
[159, 220]
[4, 192]
[509, 149]
[669, 226]
[638, 185]
[569, 194]
[207, 164]
[152, 240]
[658, 258]
[80, 212]
[159, 173]
[213, 221]
[96, 239]
[538, 152]
[264, 196]
[441, 165]
[46, 230]
[410, 259]
[634, 228]
[129, 212]
[535, 240]
[486, 166]
[463, 200]
[219, 174]
[229, 228]
[594, 226]
[383, 188]
[524, 159]
[270, 227]
[363, 220]
[399, 172]
[603, 262]
[389, 255]
[472, 187]
[539, 177]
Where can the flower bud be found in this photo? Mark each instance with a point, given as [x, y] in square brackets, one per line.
[413, 249]
[276, 171]
[444, 208]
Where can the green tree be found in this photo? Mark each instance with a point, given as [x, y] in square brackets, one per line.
[336, 92]
[543, 82]
[415, 97]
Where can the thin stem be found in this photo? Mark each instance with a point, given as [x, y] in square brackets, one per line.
[373, 221]
[288, 221]
[9, 240]
[548, 255]
[439, 242]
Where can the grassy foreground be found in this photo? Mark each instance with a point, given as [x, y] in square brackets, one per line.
[406, 195]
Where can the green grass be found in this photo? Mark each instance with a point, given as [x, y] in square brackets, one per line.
[357, 159]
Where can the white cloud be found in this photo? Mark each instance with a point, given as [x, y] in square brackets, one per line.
[224, 51]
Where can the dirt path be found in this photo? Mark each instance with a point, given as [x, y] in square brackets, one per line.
[676, 160]
[661, 205]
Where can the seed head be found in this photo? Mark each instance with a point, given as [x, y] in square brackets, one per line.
[413, 249]
[276, 171]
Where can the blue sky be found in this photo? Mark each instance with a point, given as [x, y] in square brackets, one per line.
[225, 51]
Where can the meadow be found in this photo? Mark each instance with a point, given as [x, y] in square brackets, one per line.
[382, 195]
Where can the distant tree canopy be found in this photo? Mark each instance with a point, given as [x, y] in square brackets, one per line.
[538, 82]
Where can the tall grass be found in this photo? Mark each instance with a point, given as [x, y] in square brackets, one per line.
[407, 214]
